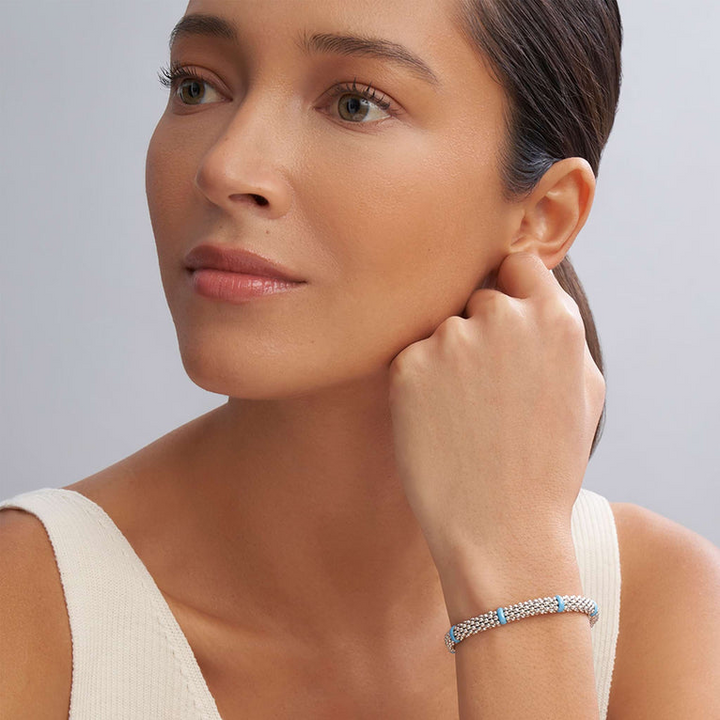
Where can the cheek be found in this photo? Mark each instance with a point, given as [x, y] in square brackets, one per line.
[155, 170]
[170, 198]
[169, 176]
[169, 171]
[159, 188]
[411, 227]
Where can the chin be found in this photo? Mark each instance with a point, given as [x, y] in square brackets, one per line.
[235, 372]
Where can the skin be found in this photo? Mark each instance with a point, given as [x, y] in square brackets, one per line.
[393, 227]
[276, 526]
[271, 520]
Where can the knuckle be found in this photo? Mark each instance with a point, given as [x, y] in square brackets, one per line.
[497, 302]
[453, 328]
[568, 319]
[406, 361]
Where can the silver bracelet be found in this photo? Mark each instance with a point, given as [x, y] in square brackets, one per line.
[504, 615]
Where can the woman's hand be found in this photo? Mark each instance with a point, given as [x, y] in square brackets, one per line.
[494, 416]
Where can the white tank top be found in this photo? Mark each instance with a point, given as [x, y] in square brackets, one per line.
[131, 660]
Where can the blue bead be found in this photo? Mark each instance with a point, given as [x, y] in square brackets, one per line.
[452, 635]
[561, 604]
[501, 616]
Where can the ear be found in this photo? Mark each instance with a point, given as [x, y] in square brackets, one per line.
[556, 210]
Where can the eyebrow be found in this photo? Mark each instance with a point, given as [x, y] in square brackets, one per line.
[198, 24]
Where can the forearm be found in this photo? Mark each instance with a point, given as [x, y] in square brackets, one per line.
[536, 667]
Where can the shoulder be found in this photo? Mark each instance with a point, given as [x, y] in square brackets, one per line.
[35, 636]
[35, 640]
[650, 542]
[667, 660]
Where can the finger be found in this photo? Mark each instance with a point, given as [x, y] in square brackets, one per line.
[524, 275]
[595, 381]
[487, 285]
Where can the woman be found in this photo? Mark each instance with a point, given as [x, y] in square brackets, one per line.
[409, 416]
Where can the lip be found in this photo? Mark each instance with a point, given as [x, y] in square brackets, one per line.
[237, 260]
[237, 287]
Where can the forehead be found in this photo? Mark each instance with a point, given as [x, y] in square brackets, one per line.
[426, 28]
[324, 14]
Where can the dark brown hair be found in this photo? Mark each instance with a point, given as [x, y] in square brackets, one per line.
[559, 64]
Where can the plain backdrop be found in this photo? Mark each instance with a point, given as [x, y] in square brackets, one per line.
[89, 365]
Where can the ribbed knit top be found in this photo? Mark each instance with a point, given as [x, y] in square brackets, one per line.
[130, 658]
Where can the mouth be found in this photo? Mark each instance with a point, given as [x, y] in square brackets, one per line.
[235, 287]
[238, 261]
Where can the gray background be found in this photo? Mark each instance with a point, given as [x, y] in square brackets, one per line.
[89, 366]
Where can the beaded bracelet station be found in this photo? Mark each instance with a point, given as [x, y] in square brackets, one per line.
[504, 615]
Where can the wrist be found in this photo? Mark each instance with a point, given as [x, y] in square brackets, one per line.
[475, 582]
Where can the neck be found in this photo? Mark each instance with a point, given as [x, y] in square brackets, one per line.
[308, 509]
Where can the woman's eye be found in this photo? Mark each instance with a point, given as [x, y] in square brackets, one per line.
[186, 84]
[192, 89]
[357, 104]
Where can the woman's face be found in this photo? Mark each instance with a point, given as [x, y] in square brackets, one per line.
[393, 217]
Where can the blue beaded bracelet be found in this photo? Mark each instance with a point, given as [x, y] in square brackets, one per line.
[528, 608]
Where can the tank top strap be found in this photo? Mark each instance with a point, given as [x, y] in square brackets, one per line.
[130, 659]
[596, 549]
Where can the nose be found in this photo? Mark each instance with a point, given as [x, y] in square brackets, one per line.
[236, 171]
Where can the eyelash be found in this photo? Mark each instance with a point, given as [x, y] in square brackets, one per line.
[171, 77]
[368, 92]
